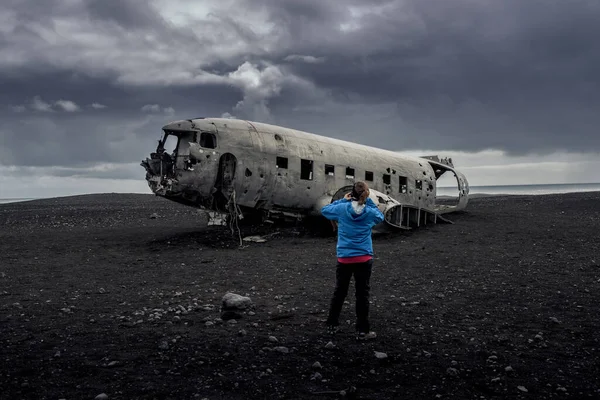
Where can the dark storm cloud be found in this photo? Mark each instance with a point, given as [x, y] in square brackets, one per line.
[121, 132]
[516, 75]
[520, 76]
[128, 14]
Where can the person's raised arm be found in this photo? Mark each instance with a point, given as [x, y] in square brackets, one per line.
[332, 210]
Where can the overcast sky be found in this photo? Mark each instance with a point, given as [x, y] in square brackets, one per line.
[87, 84]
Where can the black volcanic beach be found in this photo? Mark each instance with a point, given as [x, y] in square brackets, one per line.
[120, 295]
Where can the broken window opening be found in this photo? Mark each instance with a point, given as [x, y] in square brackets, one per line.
[169, 143]
[403, 180]
[349, 173]
[306, 169]
[419, 184]
[329, 170]
[369, 176]
[281, 162]
[208, 140]
[387, 179]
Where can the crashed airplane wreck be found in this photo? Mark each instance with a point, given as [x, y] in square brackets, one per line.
[238, 169]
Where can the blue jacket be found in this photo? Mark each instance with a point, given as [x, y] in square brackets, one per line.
[354, 229]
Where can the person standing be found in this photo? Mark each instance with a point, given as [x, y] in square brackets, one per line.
[356, 214]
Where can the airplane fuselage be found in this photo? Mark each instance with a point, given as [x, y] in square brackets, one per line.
[266, 168]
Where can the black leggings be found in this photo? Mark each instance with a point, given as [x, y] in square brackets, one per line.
[362, 277]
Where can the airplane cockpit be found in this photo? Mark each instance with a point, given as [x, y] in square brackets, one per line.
[183, 157]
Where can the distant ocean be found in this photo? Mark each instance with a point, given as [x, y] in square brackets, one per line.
[523, 189]
[474, 190]
[16, 199]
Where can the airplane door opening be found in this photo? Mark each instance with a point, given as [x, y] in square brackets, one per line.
[225, 179]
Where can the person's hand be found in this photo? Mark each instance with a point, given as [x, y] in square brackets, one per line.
[348, 196]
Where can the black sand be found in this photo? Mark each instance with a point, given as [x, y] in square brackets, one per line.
[513, 283]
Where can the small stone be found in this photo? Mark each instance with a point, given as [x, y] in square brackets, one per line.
[242, 332]
[379, 355]
[330, 346]
[555, 320]
[163, 345]
[452, 371]
[273, 339]
[234, 301]
[101, 396]
[538, 337]
[522, 389]
[112, 363]
[251, 313]
[316, 377]
[209, 323]
[496, 380]
[281, 349]
[509, 369]
[372, 372]
[317, 365]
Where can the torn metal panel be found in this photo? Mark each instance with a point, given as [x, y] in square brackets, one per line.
[248, 168]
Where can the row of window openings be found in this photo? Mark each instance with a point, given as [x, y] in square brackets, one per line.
[209, 140]
[306, 173]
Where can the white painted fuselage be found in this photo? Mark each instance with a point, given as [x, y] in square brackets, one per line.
[265, 168]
